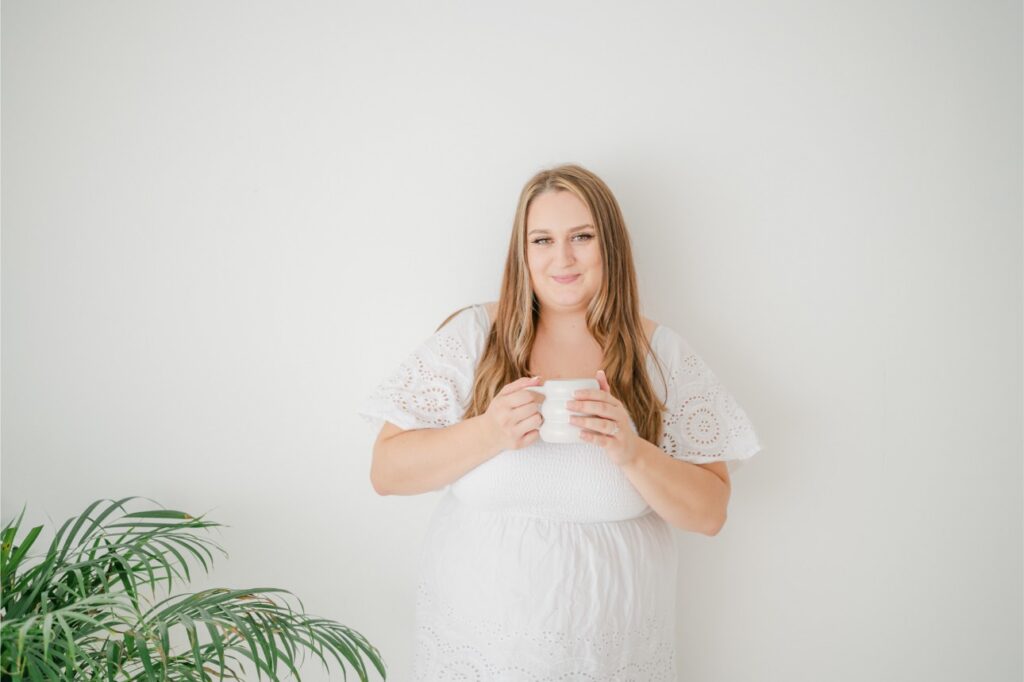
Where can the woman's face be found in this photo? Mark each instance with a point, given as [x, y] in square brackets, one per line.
[561, 240]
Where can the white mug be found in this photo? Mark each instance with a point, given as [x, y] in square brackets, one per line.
[556, 427]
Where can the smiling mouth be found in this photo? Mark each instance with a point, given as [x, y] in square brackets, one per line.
[566, 280]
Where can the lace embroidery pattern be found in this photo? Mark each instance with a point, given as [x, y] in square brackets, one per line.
[450, 647]
[430, 387]
[703, 423]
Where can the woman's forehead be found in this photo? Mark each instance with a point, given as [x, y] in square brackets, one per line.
[557, 212]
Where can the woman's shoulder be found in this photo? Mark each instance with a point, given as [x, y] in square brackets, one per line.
[469, 324]
[666, 341]
[466, 316]
[650, 326]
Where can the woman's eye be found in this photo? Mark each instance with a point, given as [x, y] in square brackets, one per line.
[582, 234]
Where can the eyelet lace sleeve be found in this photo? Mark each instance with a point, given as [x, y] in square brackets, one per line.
[431, 387]
[703, 423]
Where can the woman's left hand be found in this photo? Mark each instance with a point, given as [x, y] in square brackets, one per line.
[609, 426]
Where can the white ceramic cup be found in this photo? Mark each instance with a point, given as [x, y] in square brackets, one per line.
[556, 427]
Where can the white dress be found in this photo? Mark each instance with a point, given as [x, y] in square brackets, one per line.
[545, 563]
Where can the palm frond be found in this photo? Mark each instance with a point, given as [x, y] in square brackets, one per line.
[60, 637]
[75, 611]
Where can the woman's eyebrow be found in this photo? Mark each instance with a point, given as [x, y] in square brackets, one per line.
[571, 229]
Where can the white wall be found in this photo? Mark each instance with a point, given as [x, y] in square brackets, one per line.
[224, 222]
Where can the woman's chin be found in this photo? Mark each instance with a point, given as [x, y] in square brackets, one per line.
[566, 299]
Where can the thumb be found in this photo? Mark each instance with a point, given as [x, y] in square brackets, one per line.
[602, 380]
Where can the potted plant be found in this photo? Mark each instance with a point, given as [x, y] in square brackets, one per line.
[79, 612]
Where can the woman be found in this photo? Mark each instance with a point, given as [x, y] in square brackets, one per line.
[547, 559]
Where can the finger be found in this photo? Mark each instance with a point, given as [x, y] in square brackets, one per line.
[590, 407]
[527, 439]
[524, 397]
[602, 380]
[602, 426]
[518, 384]
[531, 423]
[596, 394]
[523, 411]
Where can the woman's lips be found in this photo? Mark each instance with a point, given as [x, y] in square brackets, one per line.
[566, 280]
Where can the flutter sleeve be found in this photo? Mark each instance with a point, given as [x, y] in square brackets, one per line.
[703, 423]
[430, 389]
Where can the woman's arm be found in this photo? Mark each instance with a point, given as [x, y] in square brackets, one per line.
[423, 460]
[693, 497]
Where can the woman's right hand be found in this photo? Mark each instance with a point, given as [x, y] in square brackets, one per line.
[513, 417]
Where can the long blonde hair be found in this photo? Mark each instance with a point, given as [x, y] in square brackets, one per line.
[613, 316]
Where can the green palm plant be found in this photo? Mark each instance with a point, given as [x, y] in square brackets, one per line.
[78, 612]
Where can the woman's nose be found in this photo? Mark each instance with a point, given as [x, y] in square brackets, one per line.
[565, 253]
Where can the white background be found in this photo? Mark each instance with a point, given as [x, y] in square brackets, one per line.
[225, 222]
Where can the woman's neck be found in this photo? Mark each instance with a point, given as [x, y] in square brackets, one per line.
[557, 324]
